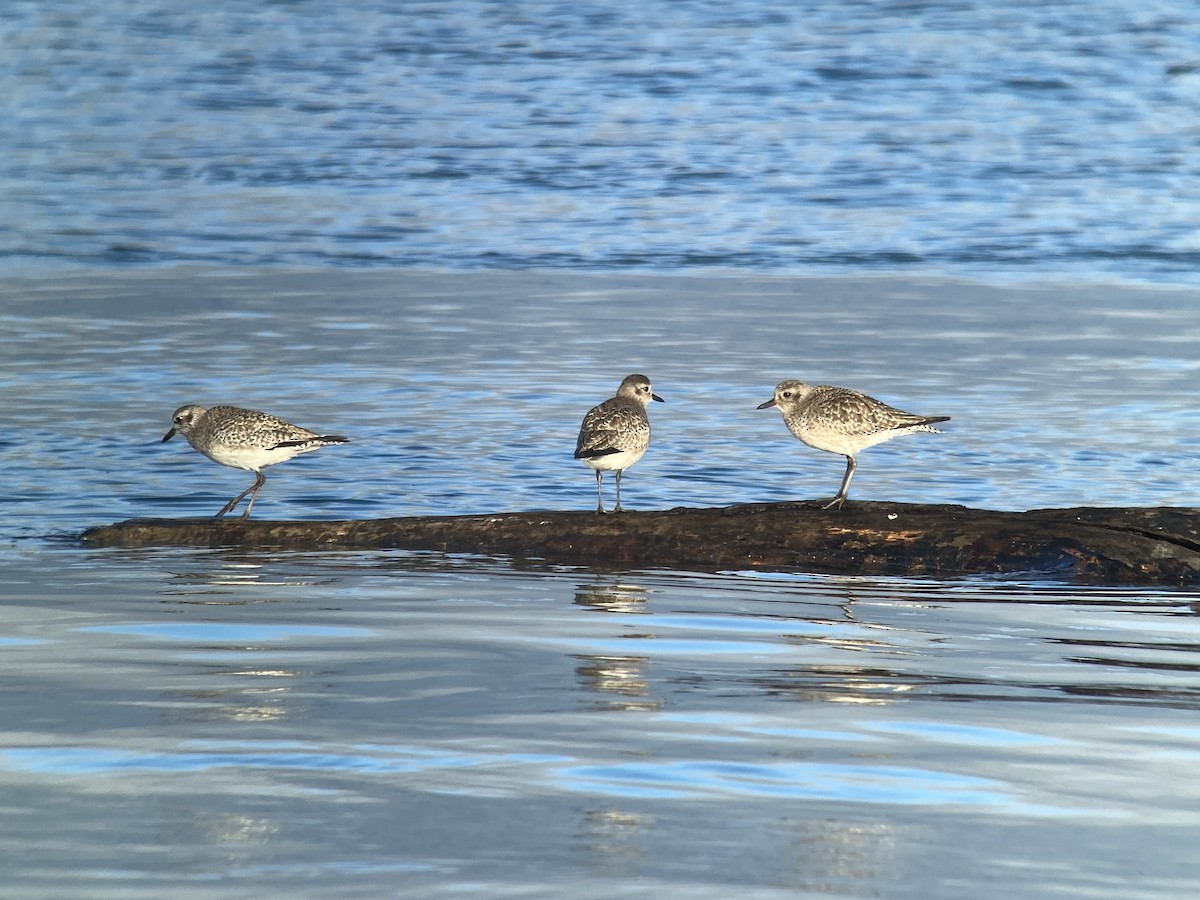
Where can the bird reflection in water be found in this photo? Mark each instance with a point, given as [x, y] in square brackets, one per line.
[621, 681]
[615, 839]
[612, 595]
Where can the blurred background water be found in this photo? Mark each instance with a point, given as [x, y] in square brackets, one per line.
[998, 139]
[362, 217]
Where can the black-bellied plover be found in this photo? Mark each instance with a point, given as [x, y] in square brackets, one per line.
[615, 434]
[244, 439]
[843, 421]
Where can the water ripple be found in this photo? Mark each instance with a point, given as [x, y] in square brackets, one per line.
[684, 136]
[698, 779]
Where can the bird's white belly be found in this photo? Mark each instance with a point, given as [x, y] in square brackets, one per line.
[615, 461]
[845, 444]
[250, 458]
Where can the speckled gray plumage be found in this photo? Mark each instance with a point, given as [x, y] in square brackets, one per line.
[844, 421]
[237, 428]
[244, 439]
[619, 424]
[616, 433]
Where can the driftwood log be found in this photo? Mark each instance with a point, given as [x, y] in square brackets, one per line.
[1115, 546]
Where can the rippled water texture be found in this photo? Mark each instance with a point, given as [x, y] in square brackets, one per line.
[229, 724]
[1036, 138]
[464, 393]
[358, 216]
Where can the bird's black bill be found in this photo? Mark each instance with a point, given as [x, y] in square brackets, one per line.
[170, 434]
[766, 405]
[658, 398]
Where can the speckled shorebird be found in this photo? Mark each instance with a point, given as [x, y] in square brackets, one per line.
[244, 439]
[843, 421]
[615, 434]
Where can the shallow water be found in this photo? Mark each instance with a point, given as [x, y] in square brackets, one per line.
[224, 723]
[462, 391]
[214, 724]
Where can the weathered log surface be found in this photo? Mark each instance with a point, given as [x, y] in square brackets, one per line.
[1118, 546]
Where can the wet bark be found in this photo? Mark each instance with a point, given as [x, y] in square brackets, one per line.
[1118, 546]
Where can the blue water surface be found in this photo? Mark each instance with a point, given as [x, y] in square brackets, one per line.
[349, 214]
[670, 135]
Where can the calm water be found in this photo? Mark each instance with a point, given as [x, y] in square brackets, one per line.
[224, 724]
[1033, 138]
[364, 217]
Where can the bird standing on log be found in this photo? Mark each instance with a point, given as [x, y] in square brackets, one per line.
[615, 434]
[841, 420]
[244, 439]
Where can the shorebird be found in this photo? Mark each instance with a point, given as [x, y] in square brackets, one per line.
[841, 420]
[615, 434]
[244, 439]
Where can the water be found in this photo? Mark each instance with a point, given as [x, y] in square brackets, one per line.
[406, 725]
[446, 230]
[999, 140]
[222, 723]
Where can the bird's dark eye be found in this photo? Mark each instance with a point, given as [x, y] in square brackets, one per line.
[787, 394]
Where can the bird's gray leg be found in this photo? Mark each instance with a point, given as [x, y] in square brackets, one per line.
[240, 497]
[258, 483]
[837, 501]
[617, 508]
[599, 494]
